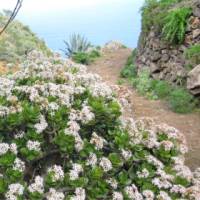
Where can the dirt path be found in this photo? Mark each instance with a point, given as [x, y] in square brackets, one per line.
[109, 67]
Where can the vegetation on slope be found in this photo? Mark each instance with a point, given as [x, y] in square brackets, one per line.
[80, 50]
[169, 23]
[178, 99]
[17, 41]
[62, 138]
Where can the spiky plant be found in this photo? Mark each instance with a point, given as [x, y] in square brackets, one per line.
[76, 43]
[175, 25]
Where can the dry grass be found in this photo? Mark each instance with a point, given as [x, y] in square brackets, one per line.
[6, 70]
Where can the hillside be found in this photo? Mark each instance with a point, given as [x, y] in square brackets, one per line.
[17, 41]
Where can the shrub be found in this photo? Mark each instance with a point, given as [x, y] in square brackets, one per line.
[62, 138]
[175, 25]
[162, 89]
[143, 82]
[76, 44]
[81, 57]
[193, 54]
[181, 101]
[129, 70]
[85, 57]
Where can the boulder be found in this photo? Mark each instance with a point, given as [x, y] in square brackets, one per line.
[196, 33]
[196, 10]
[156, 56]
[193, 80]
[154, 68]
[165, 57]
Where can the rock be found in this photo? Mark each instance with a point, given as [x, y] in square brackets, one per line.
[188, 39]
[156, 56]
[165, 57]
[196, 10]
[154, 67]
[193, 81]
[195, 23]
[196, 33]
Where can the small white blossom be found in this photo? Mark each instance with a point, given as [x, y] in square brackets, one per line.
[13, 148]
[14, 190]
[33, 146]
[92, 160]
[97, 141]
[19, 165]
[126, 154]
[105, 164]
[79, 194]
[148, 194]
[117, 196]
[57, 173]
[37, 186]
[163, 196]
[41, 126]
[4, 147]
[54, 195]
[112, 182]
[143, 174]
[76, 170]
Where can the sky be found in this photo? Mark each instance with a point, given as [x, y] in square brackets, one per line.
[99, 20]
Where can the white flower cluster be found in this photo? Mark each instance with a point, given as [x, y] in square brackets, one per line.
[40, 127]
[15, 190]
[105, 164]
[73, 128]
[37, 186]
[143, 174]
[97, 141]
[117, 196]
[75, 171]
[133, 193]
[92, 160]
[54, 195]
[5, 148]
[19, 165]
[79, 194]
[33, 146]
[56, 172]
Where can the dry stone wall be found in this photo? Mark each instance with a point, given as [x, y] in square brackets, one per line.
[168, 62]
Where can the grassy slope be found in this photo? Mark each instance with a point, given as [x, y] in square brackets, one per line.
[17, 41]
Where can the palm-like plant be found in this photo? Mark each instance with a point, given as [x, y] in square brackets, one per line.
[76, 43]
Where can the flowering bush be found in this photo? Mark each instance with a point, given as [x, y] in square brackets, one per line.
[62, 138]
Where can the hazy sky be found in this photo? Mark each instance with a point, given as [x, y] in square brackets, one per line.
[59, 5]
[99, 20]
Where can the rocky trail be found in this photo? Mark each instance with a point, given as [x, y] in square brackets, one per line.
[109, 65]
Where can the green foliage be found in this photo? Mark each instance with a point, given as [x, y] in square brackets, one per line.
[62, 137]
[81, 57]
[153, 14]
[162, 89]
[193, 54]
[129, 70]
[85, 57]
[143, 83]
[181, 101]
[17, 41]
[175, 25]
[76, 44]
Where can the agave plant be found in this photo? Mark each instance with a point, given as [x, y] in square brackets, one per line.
[76, 43]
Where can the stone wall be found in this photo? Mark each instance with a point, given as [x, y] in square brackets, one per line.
[167, 62]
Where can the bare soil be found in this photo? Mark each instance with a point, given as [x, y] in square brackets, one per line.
[109, 65]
